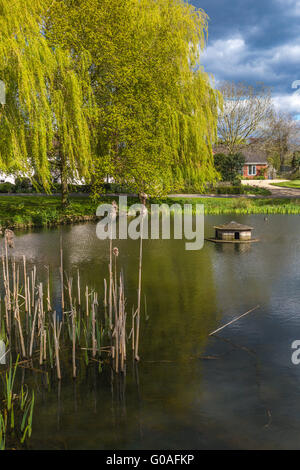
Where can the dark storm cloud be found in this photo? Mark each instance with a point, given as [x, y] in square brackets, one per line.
[271, 20]
[254, 41]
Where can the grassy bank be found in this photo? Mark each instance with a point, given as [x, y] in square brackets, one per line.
[242, 205]
[37, 211]
[30, 211]
[288, 184]
[222, 189]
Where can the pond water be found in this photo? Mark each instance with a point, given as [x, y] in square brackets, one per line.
[189, 391]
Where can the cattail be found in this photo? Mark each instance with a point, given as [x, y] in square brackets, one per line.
[116, 254]
[114, 211]
[29, 315]
[116, 251]
[9, 236]
[143, 198]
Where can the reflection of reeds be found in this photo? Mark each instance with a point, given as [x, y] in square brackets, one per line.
[36, 332]
[56, 325]
[16, 410]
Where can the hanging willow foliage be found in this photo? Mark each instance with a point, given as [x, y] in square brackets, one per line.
[157, 108]
[49, 102]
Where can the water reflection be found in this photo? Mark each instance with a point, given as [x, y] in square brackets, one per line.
[189, 390]
[239, 248]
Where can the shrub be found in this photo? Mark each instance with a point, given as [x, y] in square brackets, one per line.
[261, 174]
[115, 188]
[7, 187]
[229, 190]
[295, 176]
[23, 185]
[21, 220]
[229, 165]
[240, 189]
[73, 188]
[79, 188]
[256, 190]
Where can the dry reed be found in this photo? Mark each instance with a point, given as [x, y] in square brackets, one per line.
[37, 332]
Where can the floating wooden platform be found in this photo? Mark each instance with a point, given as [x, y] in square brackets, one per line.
[216, 240]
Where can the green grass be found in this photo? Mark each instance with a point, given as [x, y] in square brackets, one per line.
[39, 211]
[17, 211]
[241, 189]
[288, 184]
[30, 211]
[222, 189]
[242, 205]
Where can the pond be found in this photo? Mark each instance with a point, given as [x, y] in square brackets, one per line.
[190, 390]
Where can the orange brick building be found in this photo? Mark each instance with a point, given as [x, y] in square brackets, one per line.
[256, 163]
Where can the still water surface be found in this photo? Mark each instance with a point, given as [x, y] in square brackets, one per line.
[189, 390]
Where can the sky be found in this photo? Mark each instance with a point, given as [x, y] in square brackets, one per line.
[255, 41]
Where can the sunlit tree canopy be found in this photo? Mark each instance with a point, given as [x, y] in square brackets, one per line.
[157, 108]
[47, 96]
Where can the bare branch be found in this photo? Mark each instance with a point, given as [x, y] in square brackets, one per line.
[245, 110]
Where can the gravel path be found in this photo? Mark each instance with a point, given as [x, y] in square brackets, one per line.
[277, 191]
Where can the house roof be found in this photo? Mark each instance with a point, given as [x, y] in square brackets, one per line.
[254, 155]
[252, 152]
[233, 226]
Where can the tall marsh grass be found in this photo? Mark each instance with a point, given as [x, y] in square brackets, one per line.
[86, 324]
[16, 410]
[86, 327]
[219, 206]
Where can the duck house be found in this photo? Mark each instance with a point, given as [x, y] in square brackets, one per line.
[233, 233]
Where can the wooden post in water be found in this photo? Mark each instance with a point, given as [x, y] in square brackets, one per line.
[73, 319]
[143, 198]
[48, 289]
[78, 287]
[113, 217]
[33, 278]
[41, 321]
[62, 277]
[87, 300]
[94, 342]
[25, 284]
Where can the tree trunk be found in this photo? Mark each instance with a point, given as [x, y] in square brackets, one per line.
[64, 181]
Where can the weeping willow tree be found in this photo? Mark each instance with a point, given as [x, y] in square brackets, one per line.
[157, 108]
[48, 99]
[73, 111]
